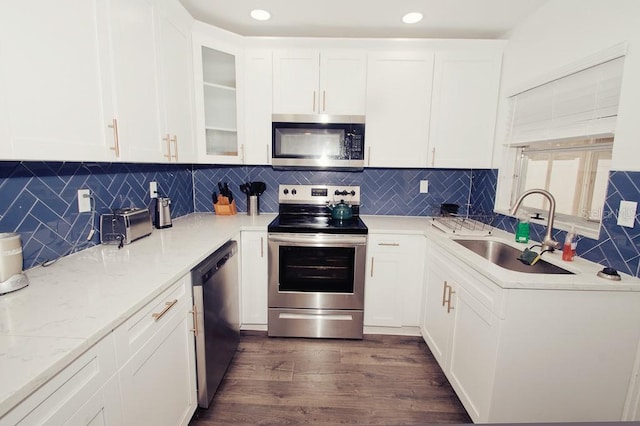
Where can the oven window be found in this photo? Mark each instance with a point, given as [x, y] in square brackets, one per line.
[317, 269]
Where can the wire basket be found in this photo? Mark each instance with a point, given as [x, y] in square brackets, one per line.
[465, 225]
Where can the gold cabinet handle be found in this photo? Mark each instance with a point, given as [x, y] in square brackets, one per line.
[444, 292]
[433, 157]
[268, 153]
[175, 146]
[157, 315]
[449, 307]
[242, 153]
[389, 244]
[194, 314]
[167, 139]
[314, 101]
[372, 261]
[369, 156]
[261, 247]
[324, 101]
[116, 139]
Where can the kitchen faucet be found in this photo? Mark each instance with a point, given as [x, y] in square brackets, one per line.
[548, 243]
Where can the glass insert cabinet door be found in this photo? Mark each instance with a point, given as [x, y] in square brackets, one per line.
[220, 97]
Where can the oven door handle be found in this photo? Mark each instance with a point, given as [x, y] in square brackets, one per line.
[316, 239]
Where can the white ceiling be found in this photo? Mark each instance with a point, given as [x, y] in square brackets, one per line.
[365, 18]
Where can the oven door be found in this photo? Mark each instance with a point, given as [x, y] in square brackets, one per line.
[316, 271]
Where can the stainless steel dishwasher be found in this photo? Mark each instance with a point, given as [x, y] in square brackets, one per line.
[217, 331]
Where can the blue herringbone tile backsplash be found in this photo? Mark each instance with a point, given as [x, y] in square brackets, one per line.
[39, 200]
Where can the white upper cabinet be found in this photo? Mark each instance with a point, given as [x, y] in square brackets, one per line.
[258, 95]
[217, 67]
[55, 80]
[176, 83]
[98, 80]
[319, 82]
[398, 108]
[463, 108]
[137, 105]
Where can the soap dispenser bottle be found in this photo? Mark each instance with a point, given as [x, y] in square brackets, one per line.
[522, 231]
[569, 246]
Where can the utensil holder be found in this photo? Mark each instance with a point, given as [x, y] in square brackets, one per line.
[224, 208]
[253, 205]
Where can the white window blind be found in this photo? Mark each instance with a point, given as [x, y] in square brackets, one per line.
[583, 104]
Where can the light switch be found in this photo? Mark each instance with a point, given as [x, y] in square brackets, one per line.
[84, 200]
[627, 213]
[424, 186]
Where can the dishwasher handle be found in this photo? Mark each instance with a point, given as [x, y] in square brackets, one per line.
[208, 267]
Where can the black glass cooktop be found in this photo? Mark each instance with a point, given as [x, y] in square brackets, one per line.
[317, 224]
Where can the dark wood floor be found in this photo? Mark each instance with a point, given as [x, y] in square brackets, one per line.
[379, 380]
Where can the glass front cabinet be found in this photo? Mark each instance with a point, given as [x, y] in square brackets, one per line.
[217, 103]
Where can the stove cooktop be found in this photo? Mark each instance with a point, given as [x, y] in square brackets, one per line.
[309, 224]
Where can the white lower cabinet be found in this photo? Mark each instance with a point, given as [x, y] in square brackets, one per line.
[84, 393]
[143, 373]
[156, 350]
[522, 355]
[394, 280]
[254, 285]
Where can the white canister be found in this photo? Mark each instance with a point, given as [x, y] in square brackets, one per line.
[10, 255]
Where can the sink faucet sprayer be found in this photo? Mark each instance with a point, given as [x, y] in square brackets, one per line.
[548, 243]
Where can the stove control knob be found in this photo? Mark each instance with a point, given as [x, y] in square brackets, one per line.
[293, 192]
[286, 191]
[337, 192]
[353, 193]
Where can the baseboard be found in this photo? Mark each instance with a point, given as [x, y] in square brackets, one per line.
[393, 331]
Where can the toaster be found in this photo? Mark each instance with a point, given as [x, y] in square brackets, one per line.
[124, 226]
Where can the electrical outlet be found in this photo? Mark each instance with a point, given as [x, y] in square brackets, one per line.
[84, 200]
[627, 213]
[153, 189]
[424, 186]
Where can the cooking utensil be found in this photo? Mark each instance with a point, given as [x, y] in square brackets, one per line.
[257, 188]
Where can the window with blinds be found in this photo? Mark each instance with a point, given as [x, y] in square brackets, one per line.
[563, 131]
[578, 106]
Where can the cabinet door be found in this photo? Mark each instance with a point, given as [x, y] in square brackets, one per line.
[398, 108]
[64, 398]
[343, 82]
[216, 103]
[158, 381]
[474, 343]
[394, 280]
[176, 83]
[437, 319]
[258, 95]
[56, 80]
[254, 279]
[136, 80]
[104, 408]
[464, 106]
[296, 76]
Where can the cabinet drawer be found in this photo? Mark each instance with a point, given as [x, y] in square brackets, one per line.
[390, 243]
[62, 396]
[141, 327]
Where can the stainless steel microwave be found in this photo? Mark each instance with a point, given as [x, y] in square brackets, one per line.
[321, 142]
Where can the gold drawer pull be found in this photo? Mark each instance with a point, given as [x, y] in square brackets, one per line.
[156, 316]
[194, 312]
[389, 244]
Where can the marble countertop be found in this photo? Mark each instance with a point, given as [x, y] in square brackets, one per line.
[584, 272]
[72, 304]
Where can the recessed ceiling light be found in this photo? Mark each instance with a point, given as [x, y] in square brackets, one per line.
[260, 15]
[412, 17]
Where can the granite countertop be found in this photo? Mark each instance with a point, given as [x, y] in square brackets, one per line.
[72, 304]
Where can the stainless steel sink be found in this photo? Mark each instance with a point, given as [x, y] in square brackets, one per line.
[506, 257]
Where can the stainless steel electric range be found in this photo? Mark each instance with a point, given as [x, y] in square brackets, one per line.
[316, 264]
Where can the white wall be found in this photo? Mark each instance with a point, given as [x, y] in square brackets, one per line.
[563, 32]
